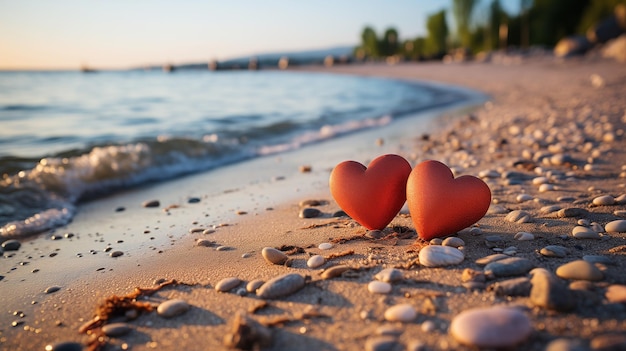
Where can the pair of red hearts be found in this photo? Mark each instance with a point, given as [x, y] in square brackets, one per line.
[439, 204]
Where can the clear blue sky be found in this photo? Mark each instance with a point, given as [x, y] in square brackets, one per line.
[65, 34]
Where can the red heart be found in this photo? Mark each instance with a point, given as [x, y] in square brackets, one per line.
[441, 205]
[374, 195]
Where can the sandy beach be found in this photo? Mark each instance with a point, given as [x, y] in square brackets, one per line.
[547, 137]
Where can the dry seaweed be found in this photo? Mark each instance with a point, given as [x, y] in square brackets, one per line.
[115, 306]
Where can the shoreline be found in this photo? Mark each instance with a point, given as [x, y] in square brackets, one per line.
[343, 298]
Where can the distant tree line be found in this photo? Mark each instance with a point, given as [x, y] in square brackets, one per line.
[539, 23]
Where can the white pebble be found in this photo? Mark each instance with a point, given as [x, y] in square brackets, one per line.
[540, 180]
[580, 232]
[618, 226]
[518, 216]
[438, 256]
[401, 313]
[389, 275]
[435, 241]
[524, 236]
[376, 287]
[524, 197]
[325, 246]
[453, 241]
[273, 255]
[491, 327]
[605, 200]
[227, 284]
[315, 261]
[172, 308]
[546, 187]
[428, 326]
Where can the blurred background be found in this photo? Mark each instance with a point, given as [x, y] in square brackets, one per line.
[70, 34]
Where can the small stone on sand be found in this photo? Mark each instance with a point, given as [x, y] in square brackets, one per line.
[492, 327]
[172, 308]
[401, 313]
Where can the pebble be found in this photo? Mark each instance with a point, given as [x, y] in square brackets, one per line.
[52, 289]
[507, 267]
[563, 344]
[605, 200]
[193, 200]
[580, 232]
[540, 180]
[620, 213]
[151, 203]
[436, 241]
[65, 346]
[389, 275]
[621, 200]
[274, 256]
[227, 284]
[608, 342]
[596, 227]
[618, 226]
[204, 243]
[116, 329]
[315, 261]
[401, 313]
[493, 327]
[554, 251]
[378, 287]
[453, 241]
[616, 293]
[309, 212]
[497, 209]
[335, 271]
[572, 212]
[598, 259]
[549, 209]
[380, 343]
[325, 246]
[438, 256]
[524, 236]
[491, 258]
[253, 285]
[116, 253]
[546, 187]
[223, 248]
[583, 222]
[523, 198]
[513, 287]
[11, 245]
[173, 308]
[549, 292]
[208, 231]
[518, 216]
[282, 285]
[579, 270]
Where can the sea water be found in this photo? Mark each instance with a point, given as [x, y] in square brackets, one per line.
[70, 136]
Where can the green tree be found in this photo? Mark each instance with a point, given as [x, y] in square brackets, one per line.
[552, 20]
[497, 17]
[435, 44]
[369, 42]
[462, 11]
[389, 44]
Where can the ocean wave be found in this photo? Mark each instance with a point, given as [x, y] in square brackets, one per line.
[45, 196]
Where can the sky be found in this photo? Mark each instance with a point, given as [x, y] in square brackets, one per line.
[105, 34]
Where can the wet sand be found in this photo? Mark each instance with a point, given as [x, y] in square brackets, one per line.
[542, 118]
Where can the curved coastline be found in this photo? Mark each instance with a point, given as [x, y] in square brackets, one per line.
[61, 183]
